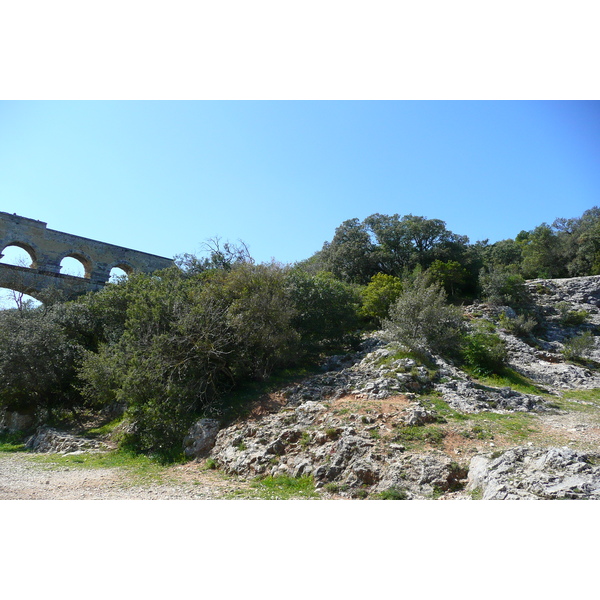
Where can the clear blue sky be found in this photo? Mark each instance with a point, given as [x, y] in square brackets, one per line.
[164, 176]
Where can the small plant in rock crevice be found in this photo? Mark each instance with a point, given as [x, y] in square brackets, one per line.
[332, 433]
[579, 346]
[392, 494]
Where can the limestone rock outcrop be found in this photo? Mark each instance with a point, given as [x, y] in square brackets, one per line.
[533, 473]
[48, 439]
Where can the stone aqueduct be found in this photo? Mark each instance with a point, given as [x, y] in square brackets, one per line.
[47, 248]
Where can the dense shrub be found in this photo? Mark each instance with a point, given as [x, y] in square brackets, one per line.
[520, 325]
[326, 310]
[579, 346]
[571, 318]
[484, 352]
[181, 339]
[379, 295]
[503, 287]
[37, 362]
[422, 320]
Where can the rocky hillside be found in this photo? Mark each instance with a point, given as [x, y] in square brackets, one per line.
[383, 423]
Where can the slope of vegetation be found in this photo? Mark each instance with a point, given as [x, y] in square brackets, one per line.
[200, 338]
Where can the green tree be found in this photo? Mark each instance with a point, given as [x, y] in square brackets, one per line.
[451, 275]
[502, 287]
[349, 256]
[412, 240]
[542, 257]
[504, 253]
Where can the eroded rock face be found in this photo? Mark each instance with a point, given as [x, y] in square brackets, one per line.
[547, 366]
[466, 396]
[370, 373]
[47, 439]
[529, 473]
[309, 440]
[422, 475]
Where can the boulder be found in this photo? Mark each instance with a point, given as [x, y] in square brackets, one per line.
[47, 439]
[201, 438]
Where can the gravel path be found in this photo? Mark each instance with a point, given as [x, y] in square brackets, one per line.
[24, 479]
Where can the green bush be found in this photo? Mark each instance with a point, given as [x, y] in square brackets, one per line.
[38, 359]
[571, 318]
[423, 321]
[379, 295]
[579, 347]
[392, 494]
[521, 325]
[325, 310]
[484, 352]
[502, 287]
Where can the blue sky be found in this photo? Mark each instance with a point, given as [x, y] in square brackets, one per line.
[165, 176]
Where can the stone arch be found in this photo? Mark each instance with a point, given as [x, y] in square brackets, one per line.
[124, 266]
[14, 298]
[29, 248]
[85, 261]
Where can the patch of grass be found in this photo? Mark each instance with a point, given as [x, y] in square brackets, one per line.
[335, 488]
[421, 434]
[332, 433]
[508, 377]
[392, 494]
[442, 408]
[592, 395]
[579, 400]
[12, 442]
[477, 432]
[103, 430]
[360, 494]
[421, 359]
[515, 426]
[477, 494]
[284, 487]
[141, 469]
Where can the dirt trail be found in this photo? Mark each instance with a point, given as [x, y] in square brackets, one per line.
[24, 479]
